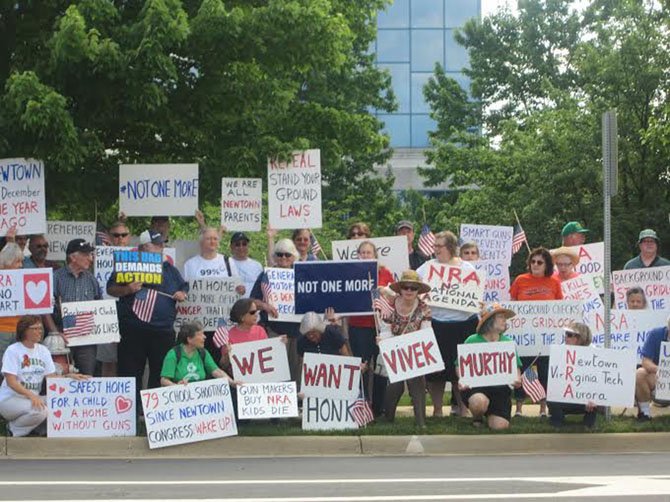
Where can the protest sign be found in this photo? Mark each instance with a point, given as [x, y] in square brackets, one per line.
[454, 287]
[537, 325]
[26, 291]
[655, 281]
[106, 329]
[411, 355]
[207, 301]
[241, 204]
[579, 288]
[580, 375]
[59, 233]
[494, 242]
[591, 263]
[138, 266]
[183, 250]
[391, 252]
[261, 361]
[294, 191]
[336, 377]
[344, 286]
[158, 189]
[662, 391]
[486, 364]
[497, 283]
[282, 293]
[22, 196]
[320, 414]
[98, 407]
[181, 414]
[267, 400]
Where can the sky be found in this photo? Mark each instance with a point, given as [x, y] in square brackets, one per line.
[489, 6]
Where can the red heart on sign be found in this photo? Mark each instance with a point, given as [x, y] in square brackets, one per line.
[52, 386]
[122, 404]
[58, 413]
[61, 390]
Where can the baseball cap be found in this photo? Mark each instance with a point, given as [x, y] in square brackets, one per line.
[238, 236]
[404, 224]
[151, 237]
[648, 233]
[573, 227]
[78, 245]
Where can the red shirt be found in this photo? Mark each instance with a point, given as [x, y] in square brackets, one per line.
[527, 287]
[238, 335]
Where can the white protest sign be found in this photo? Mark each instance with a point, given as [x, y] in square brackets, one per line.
[59, 233]
[485, 364]
[181, 414]
[261, 361]
[207, 301]
[26, 291]
[579, 375]
[158, 189]
[104, 316]
[537, 325]
[320, 414]
[98, 407]
[391, 252]
[22, 196]
[655, 281]
[592, 263]
[335, 377]
[496, 288]
[411, 355]
[183, 250]
[294, 191]
[579, 288]
[453, 287]
[494, 242]
[267, 400]
[241, 204]
[662, 391]
[282, 293]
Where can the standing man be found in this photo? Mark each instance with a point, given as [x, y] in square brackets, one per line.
[574, 234]
[648, 243]
[406, 228]
[248, 268]
[119, 235]
[161, 224]
[39, 247]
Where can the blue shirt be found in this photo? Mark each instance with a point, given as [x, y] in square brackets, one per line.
[652, 345]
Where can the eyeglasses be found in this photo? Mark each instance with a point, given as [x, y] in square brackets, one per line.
[571, 334]
[36, 328]
[409, 288]
[283, 255]
[120, 234]
[252, 312]
[537, 262]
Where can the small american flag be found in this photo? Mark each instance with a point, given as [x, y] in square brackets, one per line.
[315, 246]
[426, 241]
[80, 324]
[221, 335]
[362, 412]
[518, 238]
[532, 386]
[266, 289]
[380, 303]
[144, 304]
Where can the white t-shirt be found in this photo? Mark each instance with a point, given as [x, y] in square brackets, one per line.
[198, 267]
[444, 314]
[249, 271]
[29, 365]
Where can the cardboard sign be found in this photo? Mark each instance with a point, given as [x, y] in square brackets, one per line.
[59, 233]
[138, 266]
[158, 189]
[662, 391]
[580, 375]
[496, 288]
[655, 282]
[580, 288]
[486, 364]
[319, 414]
[494, 242]
[261, 361]
[411, 355]
[336, 377]
[282, 293]
[181, 414]
[592, 263]
[345, 286]
[105, 317]
[538, 325]
[267, 400]
[98, 407]
[391, 252]
[241, 204]
[22, 196]
[453, 287]
[294, 191]
[207, 301]
[103, 263]
[26, 291]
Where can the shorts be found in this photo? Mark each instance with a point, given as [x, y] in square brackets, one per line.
[107, 352]
[449, 336]
[500, 400]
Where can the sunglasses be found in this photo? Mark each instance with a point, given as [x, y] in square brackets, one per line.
[410, 288]
[283, 255]
[117, 235]
[571, 334]
[537, 262]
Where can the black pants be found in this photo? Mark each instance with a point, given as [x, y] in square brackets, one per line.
[557, 412]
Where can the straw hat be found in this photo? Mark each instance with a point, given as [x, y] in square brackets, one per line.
[411, 278]
[566, 251]
[491, 310]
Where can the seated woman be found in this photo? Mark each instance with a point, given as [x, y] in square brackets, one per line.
[493, 402]
[575, 334]
[25, 365]
[319, 338]
[189, 361]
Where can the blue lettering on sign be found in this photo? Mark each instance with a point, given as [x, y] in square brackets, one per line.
[20, 171]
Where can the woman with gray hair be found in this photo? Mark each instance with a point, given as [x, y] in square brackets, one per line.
[321, 337]
[11, 258]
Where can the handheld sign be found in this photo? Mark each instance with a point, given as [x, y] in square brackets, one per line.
[411, 355]
[580, 375]
[261, 361]
[591, 263]
[26, 291]
[181, 414]
[241, 204]
[454, 287]
[59, 233]
[267, 400]
[391, 252]
[486, 364]
[207, 301]
[579, 288]
[153, 189]
[662, 391]
[655, 281]
[496, 288]
[336, 377]
[22, 196]
[294, 191]
[320, 414]
[494, 242]
[98, 407]
[138, 266]
[282, 293]
[105, 322]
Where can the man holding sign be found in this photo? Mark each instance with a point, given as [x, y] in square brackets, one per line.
[645, 378]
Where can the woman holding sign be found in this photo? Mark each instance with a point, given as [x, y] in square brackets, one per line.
[11, 258]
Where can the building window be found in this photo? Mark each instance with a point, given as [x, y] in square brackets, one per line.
[427, 49]
[396, 15]
[427, 13]
[457, 12]
[419, 80]
[397, 127]
[401, 86]
[455, 55]
[421, 125]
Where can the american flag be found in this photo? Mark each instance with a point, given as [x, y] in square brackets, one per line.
[518, 238]
[532, 386]
[266, 289]
[221, 335]
[80, 324]
[426, 241]
[144, 304]
[379, 302]
[362, 412]
[315, 246]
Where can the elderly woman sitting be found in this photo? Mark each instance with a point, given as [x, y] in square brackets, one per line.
[319, 338]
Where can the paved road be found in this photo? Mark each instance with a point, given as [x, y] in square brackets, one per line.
[343, 479]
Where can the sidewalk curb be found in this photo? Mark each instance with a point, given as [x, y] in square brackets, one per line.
[318, 446]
